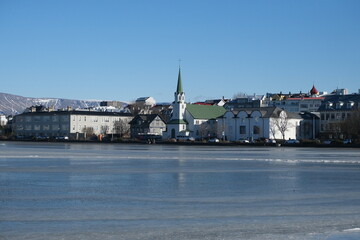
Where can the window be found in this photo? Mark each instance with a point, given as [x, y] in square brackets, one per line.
[242, 129]
[256, 130]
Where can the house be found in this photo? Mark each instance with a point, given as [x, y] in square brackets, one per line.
[334, 110]
[147, 124]
[258, 123]
[189, 119]
[75, 124]
[3, 119]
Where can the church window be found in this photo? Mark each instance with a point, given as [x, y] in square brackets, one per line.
[256, 130]
[242, 129]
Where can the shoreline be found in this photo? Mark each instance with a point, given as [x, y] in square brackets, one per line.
[197, 143]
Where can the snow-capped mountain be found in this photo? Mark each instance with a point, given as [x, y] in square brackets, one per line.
[13, 104]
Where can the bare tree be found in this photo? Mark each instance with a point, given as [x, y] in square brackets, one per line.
[104, 129]
[121, 127]
[204, 130]
[273, 127]
[88, 132]
[351, 126]
[282, 123]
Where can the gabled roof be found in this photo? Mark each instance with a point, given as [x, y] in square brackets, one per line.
[146, 119]
[205, 111]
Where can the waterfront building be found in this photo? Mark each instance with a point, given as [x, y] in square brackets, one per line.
[258, 123]
[74, 124]
[147, 124]
[334, 111]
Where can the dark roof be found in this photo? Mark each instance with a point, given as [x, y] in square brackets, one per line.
[309, 115]
[330, 102]
[145, 118]
[76, 112]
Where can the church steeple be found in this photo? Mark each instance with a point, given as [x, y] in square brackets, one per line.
[179, 88]
[179, 94]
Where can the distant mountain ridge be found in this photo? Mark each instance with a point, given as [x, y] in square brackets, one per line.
[13, 104]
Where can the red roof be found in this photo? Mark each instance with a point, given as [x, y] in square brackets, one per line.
[202, 103]
[314, 91]
[307, 98]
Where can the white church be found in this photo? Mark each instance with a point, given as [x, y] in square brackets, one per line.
[189, 119]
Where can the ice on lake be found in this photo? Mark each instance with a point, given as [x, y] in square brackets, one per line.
[123, 191]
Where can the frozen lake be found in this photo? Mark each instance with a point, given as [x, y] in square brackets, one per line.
[105, 191]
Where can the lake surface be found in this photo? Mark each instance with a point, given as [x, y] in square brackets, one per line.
[123, 191]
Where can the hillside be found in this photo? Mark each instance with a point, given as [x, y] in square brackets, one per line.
[13, 104]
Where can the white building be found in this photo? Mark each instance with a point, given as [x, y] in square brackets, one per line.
[73, 124]
[145, 101]
[3, 119]
[299, 104]
[259, 123]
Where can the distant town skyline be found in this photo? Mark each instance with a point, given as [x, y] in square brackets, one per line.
[122, 50]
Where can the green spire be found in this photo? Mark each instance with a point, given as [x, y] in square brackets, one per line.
[179, 84]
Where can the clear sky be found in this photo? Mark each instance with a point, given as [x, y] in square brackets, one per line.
[125, 49]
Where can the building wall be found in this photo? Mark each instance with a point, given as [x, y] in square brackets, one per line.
[98, 123]
[41, 125]
[53, 124]
[253, 126]
[157, 126]
[3, 120]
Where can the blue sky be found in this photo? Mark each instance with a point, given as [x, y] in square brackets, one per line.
[122, 50]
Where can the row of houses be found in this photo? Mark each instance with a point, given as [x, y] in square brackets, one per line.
[278, 116]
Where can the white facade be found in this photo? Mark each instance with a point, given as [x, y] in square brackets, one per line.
[258, 123]
[146, 101]
[3, 120]
[67, 123]
[306, 104]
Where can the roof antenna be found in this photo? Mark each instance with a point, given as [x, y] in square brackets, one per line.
[179, 62]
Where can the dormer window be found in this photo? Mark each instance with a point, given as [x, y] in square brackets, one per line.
[350, 104]
[329, 105]
[339, 105]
